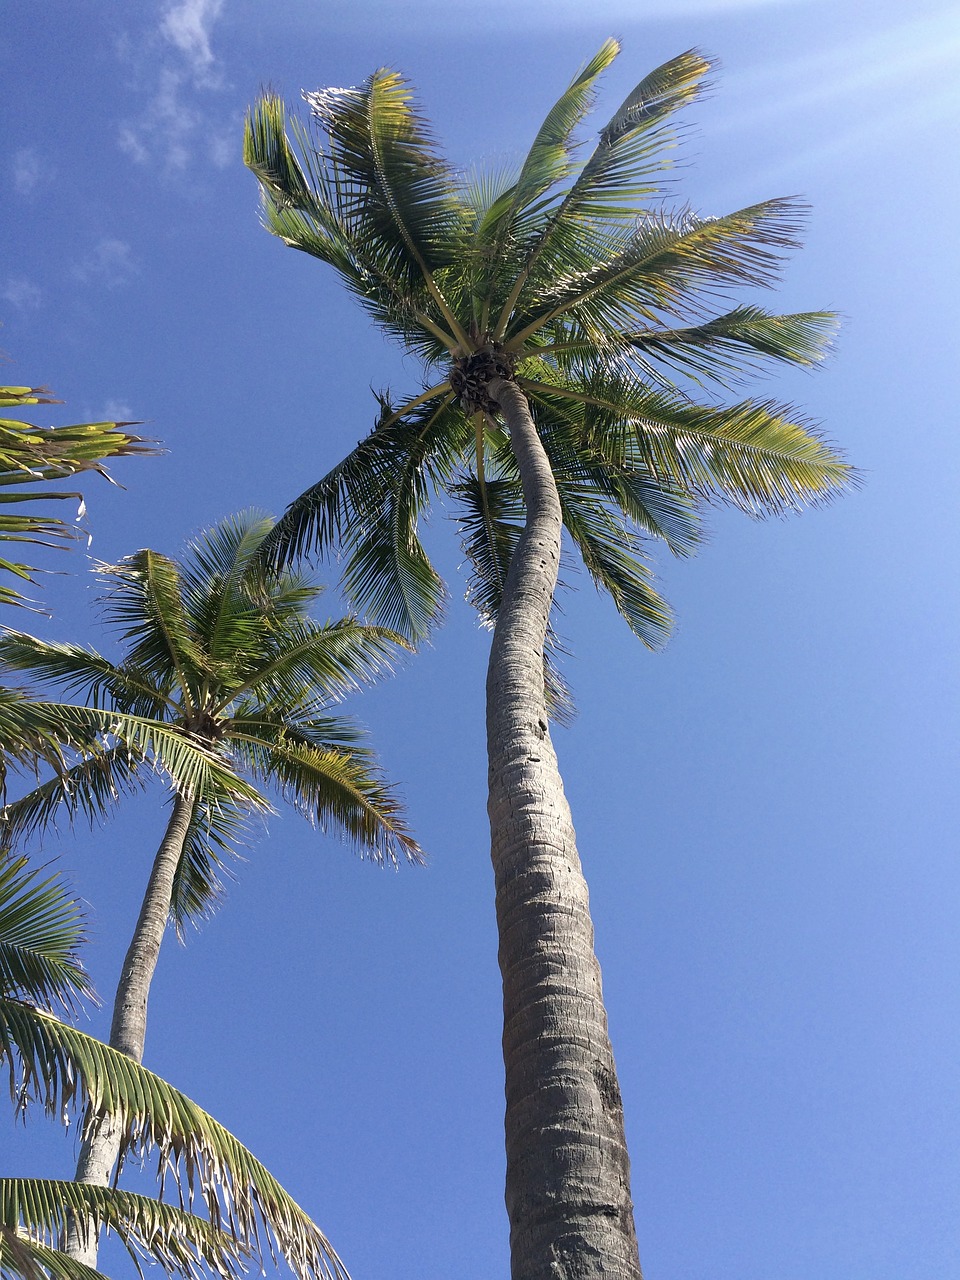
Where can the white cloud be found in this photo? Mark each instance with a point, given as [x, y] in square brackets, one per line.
[187, 26]
[175, 64]
[30, 172]
[110, 262]
[116, 411]
[22, 293]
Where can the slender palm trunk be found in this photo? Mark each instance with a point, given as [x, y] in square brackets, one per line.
[568, 1174]
[128, 1030]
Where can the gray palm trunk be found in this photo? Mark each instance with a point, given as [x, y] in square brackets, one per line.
[128, 1029]
[568, 1173]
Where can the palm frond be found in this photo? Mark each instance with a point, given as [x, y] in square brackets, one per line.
[548, 162]
[730, 345]
[29, 454]
[38, 1211]
[192, 765]
[337, 790]
[625, 167]
[142, 599]
[81, 672]
[757, 455]
[41, 932]
[61, 1068]
[392, 187]
[625, 280]
[306, 662]
[25, 1259]
[371, 502]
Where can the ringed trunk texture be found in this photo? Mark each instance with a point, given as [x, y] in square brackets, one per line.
[568, 1173]
[128, 1029]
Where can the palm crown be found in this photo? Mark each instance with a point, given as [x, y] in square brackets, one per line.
[225, 664]
[574, 281]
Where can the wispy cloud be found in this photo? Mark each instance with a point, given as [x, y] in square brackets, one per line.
[110, 262]
[22, 293]
[116, 411]
[31, 173]
[187, 26]
[176, 63]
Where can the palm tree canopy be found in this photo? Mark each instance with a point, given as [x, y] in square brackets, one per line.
[226, 686]
[66, 1071]
[572, 277]
[29, 455]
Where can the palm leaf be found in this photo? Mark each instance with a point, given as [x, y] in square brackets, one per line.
[758, 455]
[81, 672]
[371, 502]
[25, 1259]
[731, 344]
[142, 599]
[392, 187]
[333, 788]
[29, 454]
[39, 1210]
[192, 765]
[660, 265]
[61, 1068]
[41, 931]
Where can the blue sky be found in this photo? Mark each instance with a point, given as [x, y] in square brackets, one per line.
[767, 810]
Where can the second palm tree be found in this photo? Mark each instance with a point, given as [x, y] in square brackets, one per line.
[223, 650]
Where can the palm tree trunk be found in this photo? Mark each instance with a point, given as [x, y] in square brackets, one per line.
[128, 1029]
[568, 1173]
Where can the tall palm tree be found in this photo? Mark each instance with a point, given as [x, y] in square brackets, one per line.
[51, 1062]
[224, 652]
[565, 319]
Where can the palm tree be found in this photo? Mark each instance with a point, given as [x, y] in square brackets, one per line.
[51, 1062]
[223, 652]
[30, 454]
[558, 313]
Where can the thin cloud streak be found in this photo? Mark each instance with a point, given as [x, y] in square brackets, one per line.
[110, 262]
[177, 59]
[22, 293]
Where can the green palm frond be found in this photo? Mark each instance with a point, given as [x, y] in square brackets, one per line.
[309, 659]
[30, 454]
[631, 151]
[729, 346]
[142, 599]
[392, 189]
[757, 455]
[41, 931]
[225, 597]
[24, 1259]
[24, 743]
[337, 790]
[627, 279]
[192, 765]
[371, 502]
[39, 1210]
[62, 1069]
[81, 672]
[625, 167]
[91, 788]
